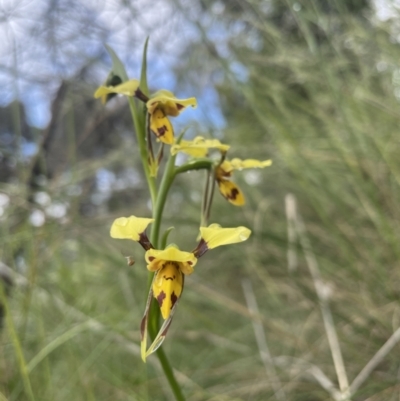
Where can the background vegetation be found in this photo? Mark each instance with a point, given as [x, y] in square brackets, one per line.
[313, 85]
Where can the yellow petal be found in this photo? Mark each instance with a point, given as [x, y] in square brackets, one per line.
[162, 127]
[198, 147]
[127, 88]
[238, 164]
[171, 105]
[167, 287]
[129, 227]
[156, 258]
[214, 235]
[231, 192]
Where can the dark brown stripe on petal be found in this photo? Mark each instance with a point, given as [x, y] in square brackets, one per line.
[160, 298]
[174, 298]
[234, 193]
[143, 326]
[179, 106]
[162, 130]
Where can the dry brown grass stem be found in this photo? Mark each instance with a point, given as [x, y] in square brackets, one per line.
[259, 333]
[322, 293]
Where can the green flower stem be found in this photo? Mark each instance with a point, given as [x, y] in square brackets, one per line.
[165, 185]
[153, 324]
[141, 138]
[204, 203]
[198, 164]
[169, 373]
[170, 173]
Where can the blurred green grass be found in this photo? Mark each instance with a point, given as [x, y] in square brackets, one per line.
[328, 117]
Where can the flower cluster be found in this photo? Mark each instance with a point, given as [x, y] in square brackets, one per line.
[168, 264]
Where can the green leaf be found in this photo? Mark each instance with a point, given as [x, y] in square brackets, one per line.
[117, 66]
[164, 238]
[143, 73]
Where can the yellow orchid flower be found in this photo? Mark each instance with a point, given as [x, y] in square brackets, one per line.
[198, 147]
[162, 104]
[170, 266]
[223, 173]
[159, 106]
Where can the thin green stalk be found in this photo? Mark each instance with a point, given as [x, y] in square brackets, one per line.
[166, 181]
[210, 199]
[17, 346]
[204, 202]
[169, 373]
[198, 164]
[140, 130]
[169, 175]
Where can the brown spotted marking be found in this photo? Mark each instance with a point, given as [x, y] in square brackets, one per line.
[160, 298]
[234, 193]
[162, 130]
[174, 298]
[143, 327]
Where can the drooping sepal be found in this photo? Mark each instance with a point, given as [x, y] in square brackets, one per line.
[162, 333]
[144, 324]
